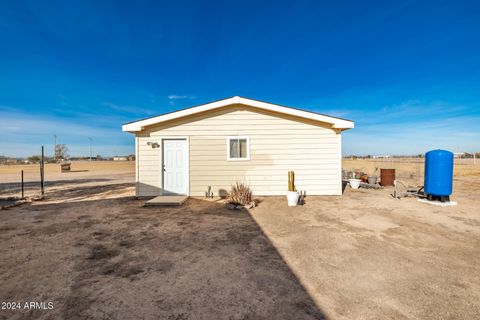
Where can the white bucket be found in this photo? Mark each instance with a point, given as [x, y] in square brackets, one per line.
[292, 198]
[354, 183]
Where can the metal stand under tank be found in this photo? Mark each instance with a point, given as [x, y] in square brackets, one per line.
[438, 175]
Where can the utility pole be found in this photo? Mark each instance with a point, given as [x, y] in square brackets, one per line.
[91, 140]
[55, 148]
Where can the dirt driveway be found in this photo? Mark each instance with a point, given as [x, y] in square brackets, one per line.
[103, 256]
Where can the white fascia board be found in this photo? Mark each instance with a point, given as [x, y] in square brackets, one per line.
[335, 122]
[140, 125]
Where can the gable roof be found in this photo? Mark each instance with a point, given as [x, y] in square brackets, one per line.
[336, 123]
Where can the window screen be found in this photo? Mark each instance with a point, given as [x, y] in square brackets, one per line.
[238, 148]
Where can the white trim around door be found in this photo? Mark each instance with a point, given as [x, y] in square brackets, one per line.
[175, 165]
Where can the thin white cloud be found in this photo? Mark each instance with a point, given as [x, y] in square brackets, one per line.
[62, 100]
[177, 97]
[127, 108]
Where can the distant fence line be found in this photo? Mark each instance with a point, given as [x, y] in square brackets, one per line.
[461, 161]
[406, 169]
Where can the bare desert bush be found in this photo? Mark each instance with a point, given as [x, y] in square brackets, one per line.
[240, 194]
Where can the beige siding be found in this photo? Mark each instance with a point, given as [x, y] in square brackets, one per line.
[278, 144]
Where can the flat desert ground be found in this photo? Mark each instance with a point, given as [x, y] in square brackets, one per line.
[95, 252]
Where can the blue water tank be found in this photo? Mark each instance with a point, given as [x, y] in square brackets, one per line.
[438, 173]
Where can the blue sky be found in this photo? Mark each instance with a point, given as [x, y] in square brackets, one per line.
[407, 72]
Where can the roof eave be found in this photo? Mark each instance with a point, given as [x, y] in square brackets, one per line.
[336, 123]
[130, 128]
[344, 125]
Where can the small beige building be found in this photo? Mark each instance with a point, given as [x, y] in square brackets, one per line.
[237, 139]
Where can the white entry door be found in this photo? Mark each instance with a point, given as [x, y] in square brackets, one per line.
[175, 166]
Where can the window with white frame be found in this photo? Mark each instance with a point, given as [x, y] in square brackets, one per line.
[238, 148]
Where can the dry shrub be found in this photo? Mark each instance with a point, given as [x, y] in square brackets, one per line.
[240, 194]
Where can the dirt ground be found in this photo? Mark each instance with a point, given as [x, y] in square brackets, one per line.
[365, 255]
[81, 172]
[95, 252]
[77, 166]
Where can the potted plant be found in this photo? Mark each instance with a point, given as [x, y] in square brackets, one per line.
[354, 181]
[292, 194]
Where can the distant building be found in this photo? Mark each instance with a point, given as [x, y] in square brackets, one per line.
[120, 158]
[381, 156]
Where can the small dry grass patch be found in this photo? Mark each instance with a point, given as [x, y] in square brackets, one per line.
[240, 195]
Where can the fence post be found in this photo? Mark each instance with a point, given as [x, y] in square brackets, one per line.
[42, 175]
[23, 194]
